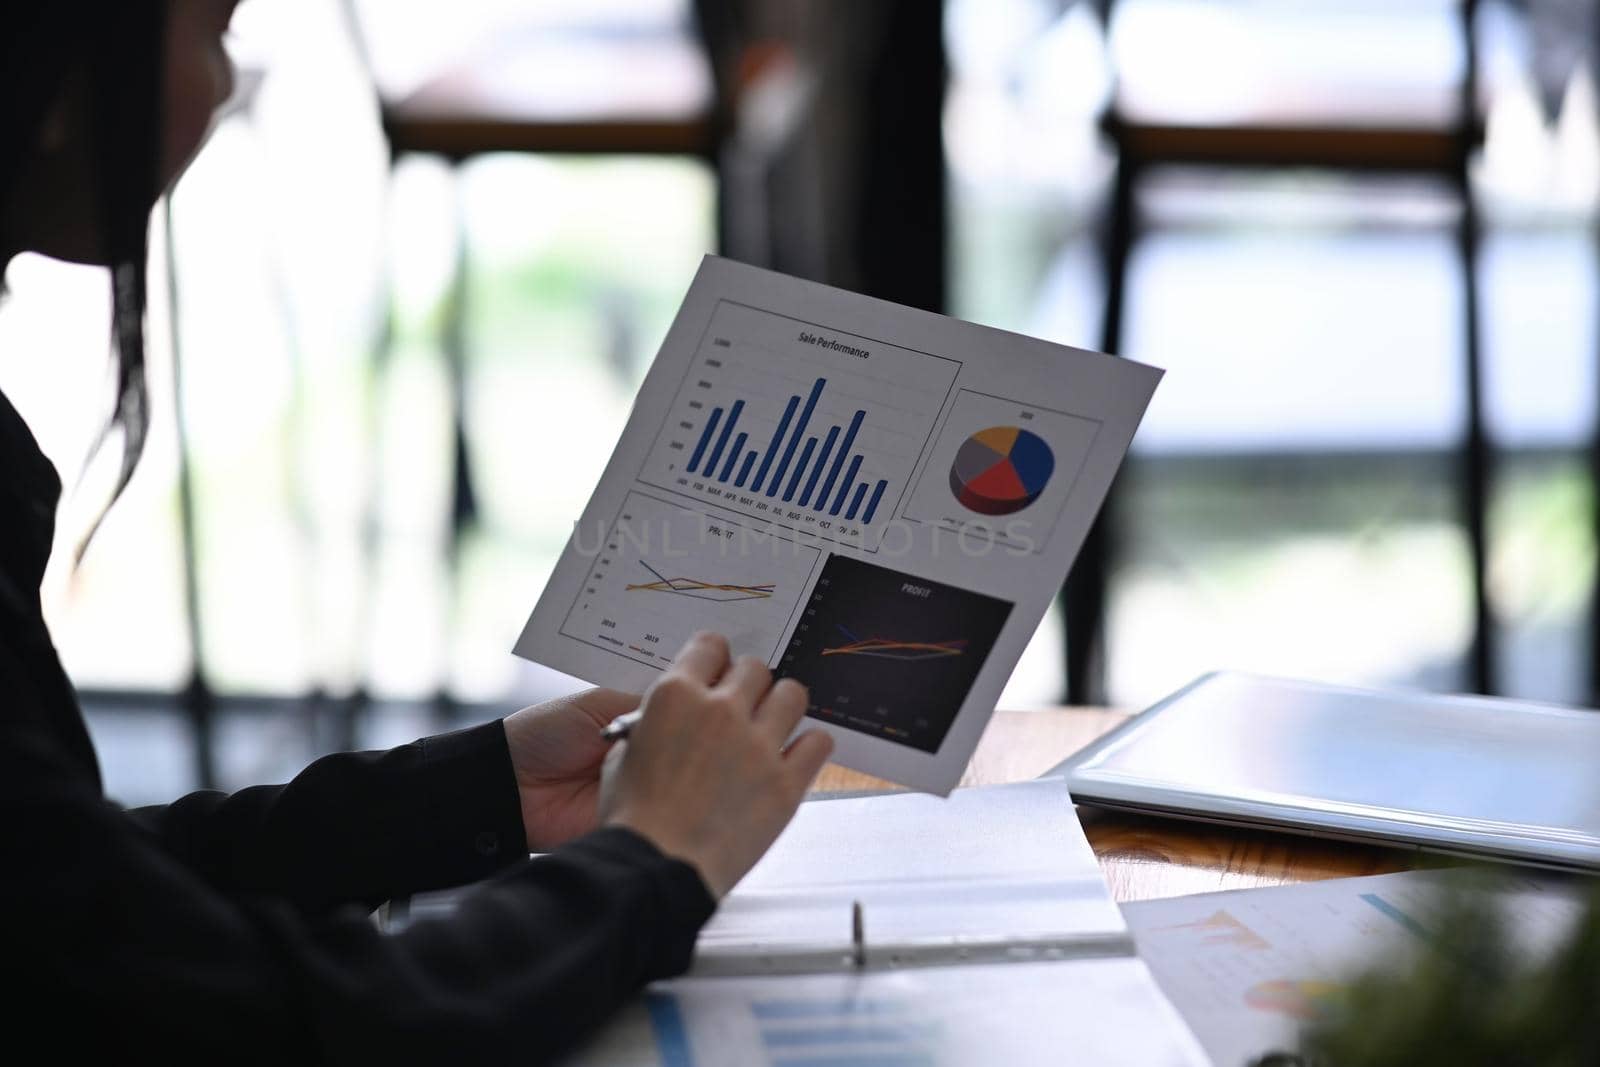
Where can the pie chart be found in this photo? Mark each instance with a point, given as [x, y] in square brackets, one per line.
[1001, 470]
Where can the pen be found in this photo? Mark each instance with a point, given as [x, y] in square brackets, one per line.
[621, 726]
[858, 936]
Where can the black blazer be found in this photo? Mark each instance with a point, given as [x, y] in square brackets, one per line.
[227, 929]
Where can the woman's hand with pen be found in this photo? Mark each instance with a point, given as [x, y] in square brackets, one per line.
[556, 754]
[706, 775]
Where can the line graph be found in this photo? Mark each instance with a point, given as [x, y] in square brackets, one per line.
[884, 648]
[906, 679]
[661, 571]
[693, 587]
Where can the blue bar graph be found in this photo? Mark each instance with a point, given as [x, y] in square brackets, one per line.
[672, 1036]
[844, 449]
[733, 457]
[722, 439]
[822, 461]
[700, 449]
[800, 469]
[855, 502]
[818, 467]
[744, 471]
[772, 446]
[872, 505]
[799, 432]
[849, 476]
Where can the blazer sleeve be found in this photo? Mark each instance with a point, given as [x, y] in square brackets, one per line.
[113, 930]
[358, 827]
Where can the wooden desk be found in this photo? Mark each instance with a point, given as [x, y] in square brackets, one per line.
[1145, 858]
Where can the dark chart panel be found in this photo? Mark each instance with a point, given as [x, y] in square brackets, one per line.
[890, 654]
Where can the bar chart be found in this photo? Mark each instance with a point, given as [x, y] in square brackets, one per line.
[789, 421]
[807, 469]
[779, 1028]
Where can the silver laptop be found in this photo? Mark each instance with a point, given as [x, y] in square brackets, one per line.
[1467, 775]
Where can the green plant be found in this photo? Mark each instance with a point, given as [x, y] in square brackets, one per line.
[1471, 998]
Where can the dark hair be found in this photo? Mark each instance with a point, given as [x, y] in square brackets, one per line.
[126, 64]
[119, 48]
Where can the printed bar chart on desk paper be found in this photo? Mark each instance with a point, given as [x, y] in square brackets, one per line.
[813, 428]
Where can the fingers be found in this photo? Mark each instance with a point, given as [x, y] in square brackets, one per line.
[747, 681]
[781, 710]
[603, 705]
[804, 759]
[703, 658]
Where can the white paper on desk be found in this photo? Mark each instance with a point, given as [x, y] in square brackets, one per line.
[878, 501]
[998, 872]
[1247, 968]
[1105, 1012]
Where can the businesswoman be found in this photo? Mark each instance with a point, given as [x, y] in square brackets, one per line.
[226, 929]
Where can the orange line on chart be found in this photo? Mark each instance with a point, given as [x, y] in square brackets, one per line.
[880, 645]
[703, 590]
[686, 585]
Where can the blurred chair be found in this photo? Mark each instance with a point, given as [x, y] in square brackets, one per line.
[530, 87]
[537, 89]
[1407, 131]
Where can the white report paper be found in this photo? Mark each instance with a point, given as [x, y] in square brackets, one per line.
[1249, 968]
[988, 938]
[877, 501]
[1095, 1012]
[1000, 873]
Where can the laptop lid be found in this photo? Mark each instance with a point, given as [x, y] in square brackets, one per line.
[1502, 778]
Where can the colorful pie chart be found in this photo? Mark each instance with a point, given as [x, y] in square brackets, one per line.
[1001, 470]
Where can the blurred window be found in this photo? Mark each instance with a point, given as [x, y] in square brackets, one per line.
[1290, 506]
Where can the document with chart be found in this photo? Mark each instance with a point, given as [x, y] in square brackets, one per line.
[877, 501]
[987, 937]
